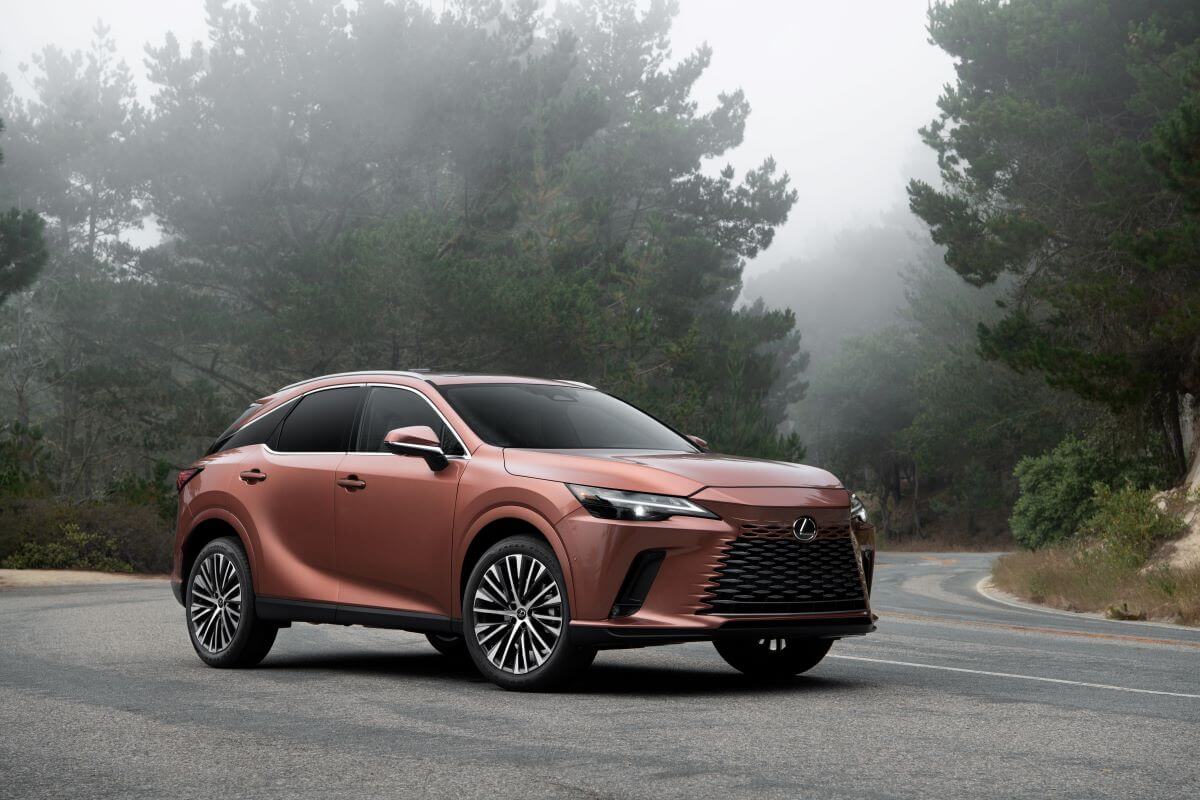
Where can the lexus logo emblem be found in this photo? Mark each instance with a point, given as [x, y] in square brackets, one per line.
[805, 529]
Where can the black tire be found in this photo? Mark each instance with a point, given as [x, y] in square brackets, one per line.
[773, 659]
[243, 642]
[449, 645]
[564, 661]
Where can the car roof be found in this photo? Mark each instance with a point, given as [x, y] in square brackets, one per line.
[451, 378]
[436, 378]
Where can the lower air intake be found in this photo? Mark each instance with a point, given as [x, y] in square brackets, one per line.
[779, 575]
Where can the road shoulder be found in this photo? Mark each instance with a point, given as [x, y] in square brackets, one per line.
[990, 591]
[31, 578]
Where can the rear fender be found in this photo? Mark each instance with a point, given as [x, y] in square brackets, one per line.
[223, 515]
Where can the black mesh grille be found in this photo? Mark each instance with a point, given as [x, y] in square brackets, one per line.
[776, 575]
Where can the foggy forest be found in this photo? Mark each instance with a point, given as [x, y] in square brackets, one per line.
[1005, 355]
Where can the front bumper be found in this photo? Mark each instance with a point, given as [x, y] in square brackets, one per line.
[690, 596]
[609, 637]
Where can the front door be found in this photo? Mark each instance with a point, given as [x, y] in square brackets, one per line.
[395, 515]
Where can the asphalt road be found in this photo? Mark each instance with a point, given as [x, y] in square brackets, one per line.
[956, 696]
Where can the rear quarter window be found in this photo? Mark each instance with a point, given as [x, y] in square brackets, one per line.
[259, 431]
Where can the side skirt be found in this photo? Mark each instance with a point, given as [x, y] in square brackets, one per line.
[280, 610]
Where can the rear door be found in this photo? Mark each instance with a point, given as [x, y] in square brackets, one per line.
[394, 514]
[289, 491]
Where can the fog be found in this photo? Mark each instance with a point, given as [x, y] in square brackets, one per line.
[837, 90]
[750, 240]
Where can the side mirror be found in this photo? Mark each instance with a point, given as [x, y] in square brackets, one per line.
[696, 440]
[417, 440]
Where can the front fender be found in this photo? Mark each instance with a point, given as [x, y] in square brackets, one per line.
[510, 512]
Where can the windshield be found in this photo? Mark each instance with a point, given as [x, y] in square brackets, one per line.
[558, 418]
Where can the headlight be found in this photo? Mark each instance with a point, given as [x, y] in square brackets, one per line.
[640, 506]
[857, 510]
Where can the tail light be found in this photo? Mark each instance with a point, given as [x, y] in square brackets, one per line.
[184, 476]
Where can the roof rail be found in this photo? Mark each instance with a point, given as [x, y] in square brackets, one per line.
[406, 373]
[580, 384]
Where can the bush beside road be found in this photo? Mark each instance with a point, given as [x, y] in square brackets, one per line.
[1135, 557]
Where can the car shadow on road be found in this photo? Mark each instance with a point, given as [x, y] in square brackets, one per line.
[399, 664]
[664, 681]
[600, 679]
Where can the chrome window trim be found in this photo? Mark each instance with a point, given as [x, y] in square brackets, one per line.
[466, 456]
[425, 447]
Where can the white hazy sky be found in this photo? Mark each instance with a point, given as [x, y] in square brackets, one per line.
[837, 89]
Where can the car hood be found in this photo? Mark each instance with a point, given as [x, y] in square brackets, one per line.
[665, 473]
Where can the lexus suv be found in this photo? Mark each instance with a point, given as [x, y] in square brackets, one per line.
[523, 523]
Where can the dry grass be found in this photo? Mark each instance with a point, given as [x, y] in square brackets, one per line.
[943, 541]
[1072, 579]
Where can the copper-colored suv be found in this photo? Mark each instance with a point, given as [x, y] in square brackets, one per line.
[526, 523]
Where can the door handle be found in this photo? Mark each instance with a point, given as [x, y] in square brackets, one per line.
[253, 476]
[351, 483]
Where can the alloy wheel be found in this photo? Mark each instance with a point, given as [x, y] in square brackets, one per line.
[216, 609]
[518, 613]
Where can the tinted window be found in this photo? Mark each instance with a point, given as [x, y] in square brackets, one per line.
[388, 409]
[259, 431]
[558, 418]
[221, 442]
[321, 422]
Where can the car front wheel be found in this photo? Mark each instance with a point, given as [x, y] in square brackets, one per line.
[516, 618]
[773, 659]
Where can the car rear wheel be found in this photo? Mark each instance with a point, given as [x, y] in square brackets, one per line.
[773, 659]
[516, 618]
[448, 644]
[221, 620]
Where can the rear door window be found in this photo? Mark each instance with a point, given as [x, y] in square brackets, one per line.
[321, 422]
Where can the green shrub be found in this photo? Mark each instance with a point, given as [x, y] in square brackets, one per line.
[140, 537]
[1127, 525]
[157, 491]
[1057, 488]
[71, 548]
[130, 527]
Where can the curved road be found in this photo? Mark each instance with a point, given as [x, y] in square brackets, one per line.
[955, 696]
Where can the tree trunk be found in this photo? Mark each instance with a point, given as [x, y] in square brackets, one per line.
[1190, 426]
[884, 517]
[1170, 413]
[916, 491]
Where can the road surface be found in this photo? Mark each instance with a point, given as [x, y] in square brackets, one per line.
[956, 696]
